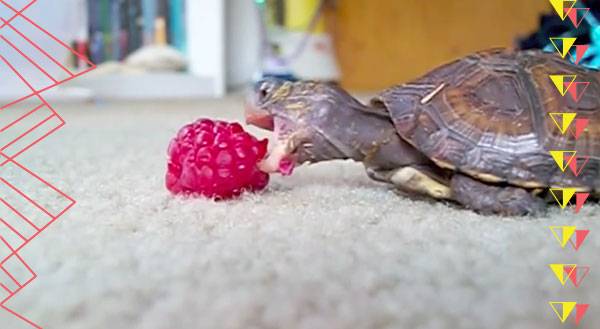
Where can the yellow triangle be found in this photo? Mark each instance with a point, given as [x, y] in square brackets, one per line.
[567, 233]
[567, 119]
[567, 308]
[559, 7]
[559, 271]
[559, 82]
[559, 158]
[567, 195]
[567, 43]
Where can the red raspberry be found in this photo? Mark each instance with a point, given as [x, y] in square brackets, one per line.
[215, 159]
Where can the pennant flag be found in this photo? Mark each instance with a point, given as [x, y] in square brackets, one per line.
[563, 45]
[566, 194]
[563, 7]
[577, 15]
[580, 310]
[563, 120]
[580, 51]
[569, 272]
[580, 126]
[573, 271]
[563, 82]
[563, 197]
[576, 165]
[576, 89]
[580, 236]
[565, 309]
[559, 271]
[580, 199]
[566, 232]
[563, 158]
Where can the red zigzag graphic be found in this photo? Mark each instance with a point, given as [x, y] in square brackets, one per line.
[25, 209]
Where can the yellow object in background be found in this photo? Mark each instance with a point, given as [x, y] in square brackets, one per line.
[299, 13]
[385, 42]
[160, 34]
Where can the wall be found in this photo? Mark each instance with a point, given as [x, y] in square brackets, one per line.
[243, 42]
[383, 42]
[205, 22]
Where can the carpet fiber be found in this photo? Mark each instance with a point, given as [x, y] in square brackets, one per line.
[325, 248]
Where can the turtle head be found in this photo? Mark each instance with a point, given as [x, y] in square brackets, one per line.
[301, 115]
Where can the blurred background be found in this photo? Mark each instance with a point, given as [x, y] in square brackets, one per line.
[324, 248]
[169, 49]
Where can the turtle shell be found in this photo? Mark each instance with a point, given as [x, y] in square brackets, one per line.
[488, 115]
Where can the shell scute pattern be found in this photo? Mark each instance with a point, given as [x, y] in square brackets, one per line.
[491, 118]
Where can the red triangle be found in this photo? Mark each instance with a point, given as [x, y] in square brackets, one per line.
[580, 51]
[575, 92]
[573, 15]
[574, 164]
[580, 236]
[580, 201]
[572, 273]
[580, 126]
[580, 310]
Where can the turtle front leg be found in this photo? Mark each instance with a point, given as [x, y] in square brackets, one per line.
[489, 199]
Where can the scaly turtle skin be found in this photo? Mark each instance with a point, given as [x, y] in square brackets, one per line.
[476, 131]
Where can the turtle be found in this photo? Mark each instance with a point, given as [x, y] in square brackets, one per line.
[476, 132]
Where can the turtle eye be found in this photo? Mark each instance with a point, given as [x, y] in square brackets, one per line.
[265, 89]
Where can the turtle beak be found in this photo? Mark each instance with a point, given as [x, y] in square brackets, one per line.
[258, 117]
[279, 158]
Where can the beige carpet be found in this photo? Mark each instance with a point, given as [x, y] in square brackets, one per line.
[325, 248]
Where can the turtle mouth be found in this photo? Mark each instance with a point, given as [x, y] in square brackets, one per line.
[280, 157]
[258, 117]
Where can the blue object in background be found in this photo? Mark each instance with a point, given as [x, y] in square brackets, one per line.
[115, 28]
[177, 28]
[149, 11]
[593, 53]
[96, 37]
[591, 59]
